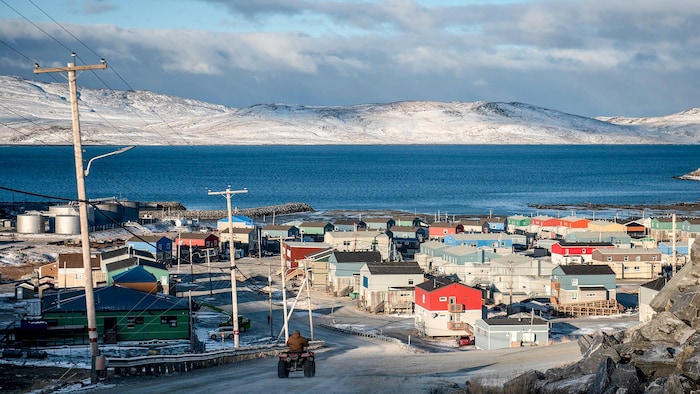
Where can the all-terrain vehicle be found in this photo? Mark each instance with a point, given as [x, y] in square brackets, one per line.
[296, 361]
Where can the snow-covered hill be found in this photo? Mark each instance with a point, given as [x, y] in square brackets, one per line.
[34, 113]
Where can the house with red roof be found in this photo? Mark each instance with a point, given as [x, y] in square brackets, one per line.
[564, 253]
[446, 308]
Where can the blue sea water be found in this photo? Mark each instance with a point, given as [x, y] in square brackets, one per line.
[457, 179]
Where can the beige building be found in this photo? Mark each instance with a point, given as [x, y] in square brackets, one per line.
[635, 263]
[360, 241]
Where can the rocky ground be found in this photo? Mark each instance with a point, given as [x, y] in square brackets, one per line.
[660, 356]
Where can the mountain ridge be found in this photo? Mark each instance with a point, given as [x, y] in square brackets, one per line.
[39, 113]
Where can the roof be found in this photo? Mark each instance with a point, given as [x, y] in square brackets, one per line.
[585, 269]
[515, 322]
[376, 220]
[435, 283]
[147, 238]
[137, 274]
[404, 267]
[656, 284]
[347, 222]
[358, 257]
[278, 227]
[565, 244]
[116, 265]
[112, 298]
[314, 224]
[196, 235]
[239, 230]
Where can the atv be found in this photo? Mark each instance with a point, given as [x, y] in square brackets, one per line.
[296, 361]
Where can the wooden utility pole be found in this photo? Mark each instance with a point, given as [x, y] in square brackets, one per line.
[71, 69]
[232, 257]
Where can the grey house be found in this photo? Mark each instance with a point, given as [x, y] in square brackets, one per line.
[584, 290]
[505, 333]
[344, 270]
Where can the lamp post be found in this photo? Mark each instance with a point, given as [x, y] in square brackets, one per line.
[80, 174]
[232, 257]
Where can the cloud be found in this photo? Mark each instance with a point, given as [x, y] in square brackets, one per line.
[373, 51]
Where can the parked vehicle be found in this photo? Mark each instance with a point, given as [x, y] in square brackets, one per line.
[243, 323]
[464, 340]
[226, 332]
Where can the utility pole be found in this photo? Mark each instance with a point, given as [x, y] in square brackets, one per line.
[232, 257]
[71, 69]
[269, 292]
[510, 286]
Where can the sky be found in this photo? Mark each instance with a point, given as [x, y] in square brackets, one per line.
[586, 57]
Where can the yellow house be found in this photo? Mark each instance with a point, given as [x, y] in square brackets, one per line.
[605, 226]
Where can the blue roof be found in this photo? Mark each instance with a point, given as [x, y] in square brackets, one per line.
[237, 219]
[112, 298]
[136, 274]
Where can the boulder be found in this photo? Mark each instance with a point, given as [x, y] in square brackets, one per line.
[528, 382]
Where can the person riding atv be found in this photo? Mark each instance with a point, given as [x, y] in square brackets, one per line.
[297, 358]
[297, 343]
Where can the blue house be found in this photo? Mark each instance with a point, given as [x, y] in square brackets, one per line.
[667, 249]
[579, 283]
[159, 246]
[479, 240]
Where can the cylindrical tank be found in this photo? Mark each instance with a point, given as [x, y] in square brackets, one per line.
[56, 210]
[131, 211]
[67, 224]
[107, 214]
[30, 223]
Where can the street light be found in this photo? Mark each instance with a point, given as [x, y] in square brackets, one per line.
[116, 152]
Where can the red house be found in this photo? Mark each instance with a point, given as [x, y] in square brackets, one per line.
[439, 230]
[564, 253]
[293, 251]
[444, 308]
[198, 243]
[572, 223]
[545, 226]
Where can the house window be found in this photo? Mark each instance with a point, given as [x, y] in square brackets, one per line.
[590, 295]
[410, 281]
[346, 243]
[583, 251]
[609, 258]
[653, 258]
[132, 321]
[626, 258]
[171, 321]
[636, 269]
[365, 282]
[424, 298]
[638, 258]
[574, 296]
[443, 299]
[626, 268]
[574, 281]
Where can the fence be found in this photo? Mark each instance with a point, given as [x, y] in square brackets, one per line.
[372, 335]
